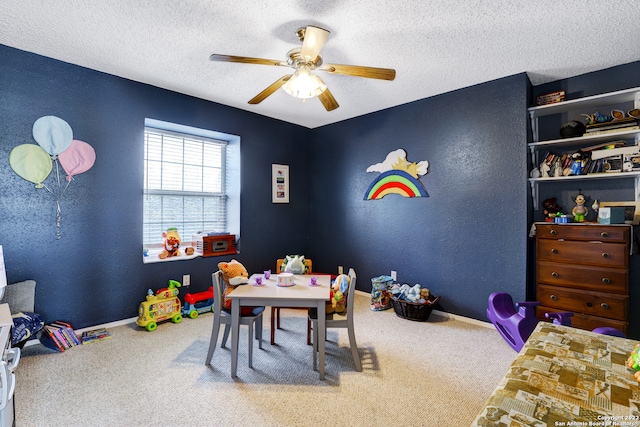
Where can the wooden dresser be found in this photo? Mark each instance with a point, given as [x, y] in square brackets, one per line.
[584, 268]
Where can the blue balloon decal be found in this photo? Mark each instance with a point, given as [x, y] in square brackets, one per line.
[53, 134]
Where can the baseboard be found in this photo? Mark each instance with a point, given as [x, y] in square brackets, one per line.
[446, 315]
[365, 294]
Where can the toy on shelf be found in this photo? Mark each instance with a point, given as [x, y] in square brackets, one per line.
[580, 211]
[551, 209]
[164, 305]
[198, 303]
[171, 244]
[634, 361]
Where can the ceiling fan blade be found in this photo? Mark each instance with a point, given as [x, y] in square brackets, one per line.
[328, 100]
[246, 60]
[314, 40]
[269, 90]
[360, 71]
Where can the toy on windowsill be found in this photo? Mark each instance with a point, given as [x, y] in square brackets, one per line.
[164, 305]
[580, 211]
[634, 361]
[171, 244]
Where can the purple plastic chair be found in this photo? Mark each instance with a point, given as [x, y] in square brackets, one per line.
[514, 326]
[563, 318]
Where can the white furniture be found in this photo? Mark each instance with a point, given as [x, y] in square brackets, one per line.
[339, 320]
[623, 99]
[220, 317]
[298, 295]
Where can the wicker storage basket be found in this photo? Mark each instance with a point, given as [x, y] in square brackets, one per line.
[414, 310]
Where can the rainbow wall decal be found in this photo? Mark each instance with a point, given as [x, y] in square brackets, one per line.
[395, 182]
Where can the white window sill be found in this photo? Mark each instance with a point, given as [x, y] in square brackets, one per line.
[153, 252]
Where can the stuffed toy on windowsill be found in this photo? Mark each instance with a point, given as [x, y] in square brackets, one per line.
[171, 244]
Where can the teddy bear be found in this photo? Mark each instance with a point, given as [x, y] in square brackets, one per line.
[171, 244]
[338, 295]
[234, 274]
[551, 209]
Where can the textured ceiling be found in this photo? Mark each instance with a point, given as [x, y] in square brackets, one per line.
[435, 45]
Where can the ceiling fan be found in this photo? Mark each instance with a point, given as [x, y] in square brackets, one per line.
[304, 60]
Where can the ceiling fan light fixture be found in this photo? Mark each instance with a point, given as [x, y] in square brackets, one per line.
[304, 85]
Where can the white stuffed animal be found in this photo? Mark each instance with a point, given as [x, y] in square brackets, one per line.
[294, 264]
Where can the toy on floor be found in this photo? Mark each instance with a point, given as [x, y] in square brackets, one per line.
[198, 303]
[634, 361]
[564, 318]
[164, 305]
[514, 326]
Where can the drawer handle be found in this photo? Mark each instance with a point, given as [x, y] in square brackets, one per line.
[606, 280]
[555, 274]
[605, 255]
[554, 251]
[553, 232]
[553, 298]
[605, 306]
[589, 304]
[604, 234]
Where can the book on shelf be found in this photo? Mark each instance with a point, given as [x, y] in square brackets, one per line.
[95, 335]
[614, 130]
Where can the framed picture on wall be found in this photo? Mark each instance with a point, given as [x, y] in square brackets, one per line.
[631, 211]
[280, 183]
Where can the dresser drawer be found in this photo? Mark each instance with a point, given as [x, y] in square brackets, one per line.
[585, 253]
[587, 302]
[603, 233]
[602, 279]
[583, 321]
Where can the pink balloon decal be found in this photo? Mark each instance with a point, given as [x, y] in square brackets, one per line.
[78, 158]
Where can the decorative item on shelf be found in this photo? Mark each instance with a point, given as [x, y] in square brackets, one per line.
[551, 209]
[630, 210]
[572, 129]
[597, 117]
[635, 113]
[550, 98]
[617, 114]
[580, 211]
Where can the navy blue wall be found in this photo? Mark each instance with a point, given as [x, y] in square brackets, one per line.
[469, 237]
[464, 241]
[95, 274]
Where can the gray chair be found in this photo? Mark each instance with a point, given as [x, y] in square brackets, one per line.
[222, 316]
[339, 320]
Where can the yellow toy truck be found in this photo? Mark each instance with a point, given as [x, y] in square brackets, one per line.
[164, 305]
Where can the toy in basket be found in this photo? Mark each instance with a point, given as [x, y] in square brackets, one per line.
[634, 361]
[412, 302]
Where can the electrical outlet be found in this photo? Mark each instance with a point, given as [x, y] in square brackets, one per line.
[186, 280]
[340, 269]
[394, 275]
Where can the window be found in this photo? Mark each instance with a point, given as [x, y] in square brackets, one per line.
[186, 181]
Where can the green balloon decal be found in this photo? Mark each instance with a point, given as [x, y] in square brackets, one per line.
[31, 162]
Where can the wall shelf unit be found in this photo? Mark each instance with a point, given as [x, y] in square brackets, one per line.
[625, 98]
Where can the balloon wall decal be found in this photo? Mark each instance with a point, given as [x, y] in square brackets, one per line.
[31, 162]
[56, 146]
[78, 158]
[397, 176]
[53, 134]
